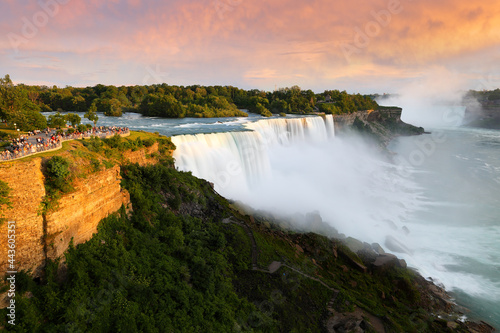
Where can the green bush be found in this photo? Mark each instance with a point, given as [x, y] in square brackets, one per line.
[58, 175]
[4, 135]
[108, 164]
[4, 193]
[93, 144]
[4, 198]
[95, 164]
[148, 142]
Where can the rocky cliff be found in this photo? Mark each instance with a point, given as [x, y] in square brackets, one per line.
[381, 125]
[79, 212]
[27, 191]
[41, 236]
[142, 156]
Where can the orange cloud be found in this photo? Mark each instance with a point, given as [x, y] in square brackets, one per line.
[279, 41]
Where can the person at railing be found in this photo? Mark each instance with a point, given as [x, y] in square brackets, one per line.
[22, 147]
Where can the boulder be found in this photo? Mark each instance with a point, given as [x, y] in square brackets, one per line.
[377, 248]
[385, 261]
[396, 246]
[353, 244]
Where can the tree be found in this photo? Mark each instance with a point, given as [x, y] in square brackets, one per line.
[115, 108]
[8, 98]
[329, 108]
[57, 120]
[162, 106]
[92, 114]
[29, 120]
[73, 119]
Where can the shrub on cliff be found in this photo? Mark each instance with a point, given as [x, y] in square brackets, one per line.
[58, 175]
[4, 193]
[93, 144]
[4, 198]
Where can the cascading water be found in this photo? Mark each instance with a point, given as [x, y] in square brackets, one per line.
[234, 161]
[448, 232]
[295, 165]
[281, 166]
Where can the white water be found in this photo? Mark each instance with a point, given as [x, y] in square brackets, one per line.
[297, 165]
[447, 196]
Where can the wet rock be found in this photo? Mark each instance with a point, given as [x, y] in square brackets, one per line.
[353, 244]
[385, 261]
[396, 246]
[345, 323]
[377, 248]
[373, 116]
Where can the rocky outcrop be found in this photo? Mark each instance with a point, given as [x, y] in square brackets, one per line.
[27, 191]
[79, 213]
[142, 156]
[381, 125]
[41, 236]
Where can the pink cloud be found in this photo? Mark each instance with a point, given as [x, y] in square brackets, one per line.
[279, 40]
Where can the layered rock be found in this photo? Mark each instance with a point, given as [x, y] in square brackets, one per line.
[142, 156]
[41, 236]
[382, 125]
[80, 212]
[27, 191]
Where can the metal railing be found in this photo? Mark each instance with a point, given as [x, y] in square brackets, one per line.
[33, 149]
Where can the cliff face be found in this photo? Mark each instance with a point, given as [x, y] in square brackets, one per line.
[39, 237]
[142, 156]
[27, 183]
[79, 212]
[383, 125]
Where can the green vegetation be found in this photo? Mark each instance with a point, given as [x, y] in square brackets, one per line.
[5, 191]
[485, 97]
[73, 119]
[58, 180]
[22, 104]
[18, 105]
[155, 272]
[57, 120]
[174, 266]
[92, 114]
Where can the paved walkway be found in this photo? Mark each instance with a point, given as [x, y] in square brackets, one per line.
[55, 146]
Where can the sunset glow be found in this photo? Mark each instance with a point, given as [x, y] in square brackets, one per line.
[365, 46]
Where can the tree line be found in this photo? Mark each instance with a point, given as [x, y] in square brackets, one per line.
[22, 103]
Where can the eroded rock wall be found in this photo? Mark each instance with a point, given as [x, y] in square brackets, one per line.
[77, 216]
[80, 212]
[27, 191]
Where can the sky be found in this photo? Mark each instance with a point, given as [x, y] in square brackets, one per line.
[366, 46]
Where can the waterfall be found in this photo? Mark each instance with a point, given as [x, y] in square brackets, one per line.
[330, 125]
[291, 165]
[238, 159]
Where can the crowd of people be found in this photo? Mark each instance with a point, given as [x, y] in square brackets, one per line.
[51, 139]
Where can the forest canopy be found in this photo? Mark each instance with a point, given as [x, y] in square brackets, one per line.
[22, 104]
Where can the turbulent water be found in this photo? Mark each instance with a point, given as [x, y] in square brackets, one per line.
[440, 198]
[455, 232]
[439, 201]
